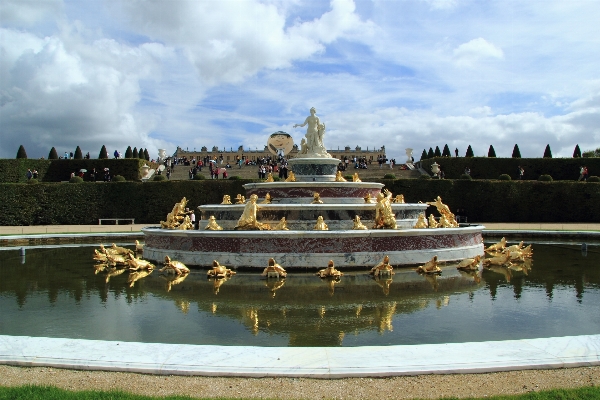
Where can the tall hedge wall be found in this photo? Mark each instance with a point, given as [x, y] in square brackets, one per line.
[492, 168]
[15, 170]
[149, 202]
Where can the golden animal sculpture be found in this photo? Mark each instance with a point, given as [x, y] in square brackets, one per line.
[212, 224]
[270, 178]
[421, 222]
[432, 222]
[384, 217]
[320, 225]
[273, 267]
[114, 260]
[330, 271]
[469, 264]
[357, 225]
[267, 199]
[282, 225]
[226, 199]
[399, 198]
[99, 256]
[291, 177]
[501, 260]
[316, 198]
[248, 219]
[176, 267]
[430, 267]
[445, 223]
[355, 177]
[219, 271]
[137, 263]
[139, 247]
[339, 177]
[368, 198]
[444, 211]
[176, 218]
[239, 199]
[497, 247]
[383, 268]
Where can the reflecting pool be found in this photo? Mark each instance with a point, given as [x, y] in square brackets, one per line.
[56, 292]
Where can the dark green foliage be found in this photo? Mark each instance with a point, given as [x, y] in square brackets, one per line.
[446, 151]
[425, 177]
[128, 152]
[469, 152]
[389, 176]
[424, 155]
[348, 178]
[200, 177]
[103, 153]
[141, 153]
[146, 155]
[545, 178]
[547, 152]
[135, 154]
[504, 177]
[577, 152]
[235, 177]
[466, 176]
[591, 153]
[592, 178]
[491, 151]
[53, 155]
[32, 181]
[118, 178]
[21, 153]
[75, 179]
[516, 152]
[437, 152]
[158, 178]
[78, 155]
[430, 153]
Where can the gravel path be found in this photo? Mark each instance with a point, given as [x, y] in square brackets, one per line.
[405, 387]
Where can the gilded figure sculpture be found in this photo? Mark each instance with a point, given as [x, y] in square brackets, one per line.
[501, 260]
[469, 264]
[176, 218]
[399, 198]
[226, 199]
[444, 211]
[430, 267]
[368, 199]
[515, 247]
[320, 225]
[357, 225]
[432, 222]
[330, 271]
[355, 177]
[99, 256]
[383, 268]
[497, 247]
[282, 225]
[114, 260]
[270, 177]
[291, 177]
[421, 222]
[137, 263]
[274, 268]
[138, 246]
[248, 219]
[316, 198]
[174, 267]
[219, 271]
[267, 199]
[384, 217]
[239, 199]
[212, 224]
[445, 223]
[339, 177]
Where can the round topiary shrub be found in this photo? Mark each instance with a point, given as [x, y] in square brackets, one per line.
[389, 176]
[545, 178]
[593, 178]
[199, 177]
[424, 177]
[235, 177]
[76, 179]
[118, 178]
[33, 181]
[504, 177]
[466, 177]
[348, 178]
[159, 178]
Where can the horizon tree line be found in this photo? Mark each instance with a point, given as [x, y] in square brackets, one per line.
[516, 153]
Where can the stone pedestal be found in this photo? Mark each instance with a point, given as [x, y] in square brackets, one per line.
[314, 169]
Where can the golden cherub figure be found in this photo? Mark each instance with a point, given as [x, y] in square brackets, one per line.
[282, 225]
[239, 199]
[355, 177]
[432, 222]
[270, 177]
[212, 224]
[357, 224]
[291, 177]
[399, 198]
[226, 199]
[421, 222]
[383, 268]
[267, 199]
[321, 225]
[339, 177]
[317, 199]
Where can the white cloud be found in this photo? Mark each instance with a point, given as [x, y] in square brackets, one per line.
[467, 54]
[28, 12]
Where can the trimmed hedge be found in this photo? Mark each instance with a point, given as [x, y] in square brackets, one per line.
[149, 202]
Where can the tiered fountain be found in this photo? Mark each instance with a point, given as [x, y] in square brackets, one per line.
[360, 224]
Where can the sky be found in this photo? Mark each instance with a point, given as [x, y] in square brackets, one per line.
[404, 74]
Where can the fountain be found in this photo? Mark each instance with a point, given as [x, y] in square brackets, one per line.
[279, 221]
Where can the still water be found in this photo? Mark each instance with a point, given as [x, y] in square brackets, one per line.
[55, 292]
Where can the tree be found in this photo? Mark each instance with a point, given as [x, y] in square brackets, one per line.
[446, 151]
[53, 155]
[128, 152]
[592, 153]
[424, 155]
[437, 152]
[146, 155]
[103, 153]
[491, 151]
[547, 152]
[135, 154]
[21, 153]
[430, 153]
[141, 153]
[78, 155]
[516, 152]
[577, 152]
[469, 152]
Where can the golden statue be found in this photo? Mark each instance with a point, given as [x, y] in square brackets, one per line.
[239, 199]
[497, 247]
[186, 224]
[139, 247]
[515, 247]
[384, 217]
[212, 224]
[316, 198]
[430, 267]
[355, 177]
[469, 264]
[368, 198]
[176, 216]
[291, 177]
[175, 267]
[219, 271]
[320, 225]
[444, 211]
[137, 263]
[330, 271]
[421, 222]
[226, 199]
[114, 260]
[99, 256]
[270, 177]
[445, 223]
[267, 199]
[120, 250]
[432, 222]
[248, 219]
[399, 198]
[357, 224]
[383, 268]
[501, 260]
[282, 225]
[275, 268]
[339, 177]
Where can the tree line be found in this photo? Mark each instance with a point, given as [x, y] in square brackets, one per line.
[516, 153]
[142, 153]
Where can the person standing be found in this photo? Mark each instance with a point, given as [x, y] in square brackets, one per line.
[521, 172]
[455, 152]
[29, 174]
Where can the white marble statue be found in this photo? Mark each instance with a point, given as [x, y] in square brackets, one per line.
[313, 146]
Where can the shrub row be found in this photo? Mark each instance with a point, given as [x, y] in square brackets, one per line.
[149, 202]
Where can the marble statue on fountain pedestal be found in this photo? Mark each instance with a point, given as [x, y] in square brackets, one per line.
[312, 146]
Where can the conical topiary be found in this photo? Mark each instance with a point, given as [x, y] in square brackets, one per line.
[430, 153]
[128, 152]
[78, 155]
[446, 151]
[469, 152]
[103, 153]
[516, 152]
[141, 153]
[491, 151]
[21, 153]
[146, 155]
[424, 155]
[577, 152]
[547, 152]
[135, 154]
[53, 155]
[437, 152]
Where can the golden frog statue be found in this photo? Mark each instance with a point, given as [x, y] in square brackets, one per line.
[384, 217]
[137, 263]
[273, 267]
[282, 225]
[355, 177]
[248, 219]
[501, 260]
[270, 177]
[330, 271]
[212, 224]
[497, 247]
[444, 211]
[339, 177]
[219, 271]
[368, 198]
[432, 222]
[383, 268]
[357, 225]
[291, 177]
[445, 223]
[267, 199]
[399, 198]
[177, 216]
[421, 222]
[226, 199]
[316, 198]
[320, 225]
[139, 247]
[430, 267]
[175, 267]
[239, 199]
[469, 264]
